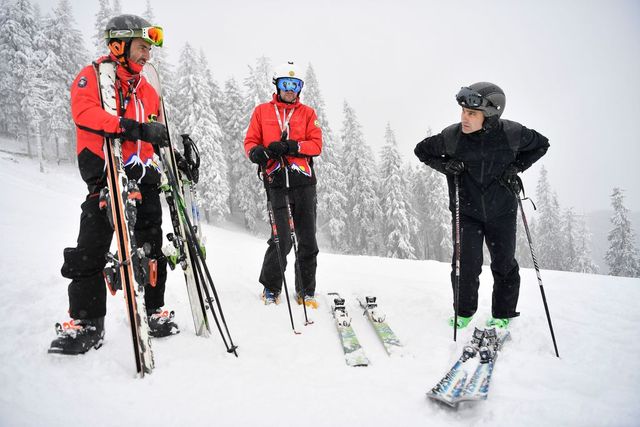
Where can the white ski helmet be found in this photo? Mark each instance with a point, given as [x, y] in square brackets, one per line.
[287, 70]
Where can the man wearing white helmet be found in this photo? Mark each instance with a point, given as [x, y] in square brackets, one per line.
[484, 154]
[283, 137]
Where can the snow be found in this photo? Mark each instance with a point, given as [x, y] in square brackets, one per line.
[282, 379]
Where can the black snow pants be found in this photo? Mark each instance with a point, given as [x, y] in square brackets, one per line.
[84, 263]
[500, 235]
[303, 201]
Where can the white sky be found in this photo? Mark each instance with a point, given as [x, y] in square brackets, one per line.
[569, 68]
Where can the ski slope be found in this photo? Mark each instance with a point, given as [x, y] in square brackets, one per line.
[282, 379]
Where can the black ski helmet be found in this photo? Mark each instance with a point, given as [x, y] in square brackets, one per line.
[484, 96]
[120, 31]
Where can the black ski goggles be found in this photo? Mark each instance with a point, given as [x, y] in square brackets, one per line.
[469, 98]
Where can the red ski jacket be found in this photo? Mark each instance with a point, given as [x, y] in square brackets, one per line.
[93, 123]
[303, 127]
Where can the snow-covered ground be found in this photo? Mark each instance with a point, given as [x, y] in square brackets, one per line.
[282, 379]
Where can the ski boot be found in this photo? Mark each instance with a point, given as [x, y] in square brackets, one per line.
[463, 322]
[270, 297]
[161, 323]
[309, 300]
[78, 336]
[498, 323]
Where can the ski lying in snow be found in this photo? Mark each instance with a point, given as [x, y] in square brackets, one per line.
[130, 269]
[377, 318]
[470, 376]
[353, 352]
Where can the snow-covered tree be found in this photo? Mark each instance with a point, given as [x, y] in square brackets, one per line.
[548, 233]
[16, 49]
[66, 55]
[431, 204]
[250, 195]
[622, 256]
[398, 218]
[332, 186]
[102, 17]
[34, 106]
[117, 8]
[584, 261]
[363, 207]
[195, 116]
[233, 125]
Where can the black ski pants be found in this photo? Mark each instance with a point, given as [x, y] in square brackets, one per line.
[303, 201]
[84, 263]
[500, 235]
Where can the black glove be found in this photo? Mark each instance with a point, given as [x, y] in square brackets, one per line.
[258, 155]
[454, 167]
[510, 178]
[280, 148]
[154, 132]
[191, 171]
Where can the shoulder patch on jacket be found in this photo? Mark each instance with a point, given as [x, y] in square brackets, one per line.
[82, 82]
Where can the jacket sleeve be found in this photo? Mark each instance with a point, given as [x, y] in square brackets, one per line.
[311, 146]
[86, 108]
[532, 146]
[431, 151]
[254, 133]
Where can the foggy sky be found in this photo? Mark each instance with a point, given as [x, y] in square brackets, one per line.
[569, 69]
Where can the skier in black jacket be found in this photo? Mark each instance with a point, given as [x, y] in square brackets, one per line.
[486, 153]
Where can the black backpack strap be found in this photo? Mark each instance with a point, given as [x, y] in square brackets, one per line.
[450, 135]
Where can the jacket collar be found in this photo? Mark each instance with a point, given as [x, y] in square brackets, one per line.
[280, 104]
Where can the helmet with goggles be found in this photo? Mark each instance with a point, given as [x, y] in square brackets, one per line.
[122, 29]
[484, 96]
[287, 77]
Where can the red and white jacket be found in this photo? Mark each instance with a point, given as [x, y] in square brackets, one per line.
[302, 126]
[93, 123]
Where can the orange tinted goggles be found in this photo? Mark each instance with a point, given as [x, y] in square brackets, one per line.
[153, 35]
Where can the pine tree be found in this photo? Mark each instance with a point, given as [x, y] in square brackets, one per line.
[548, 244]
[431, 204]
[102, 18]
[116, 10]
[398, 218]
[194, 115]
[584, 261]
[251, 197]
[214, 162]
[34, 106]
[16, 47]
[233, 123]
[332, 187]
[62, 66]
[363, 207]
[622, 256]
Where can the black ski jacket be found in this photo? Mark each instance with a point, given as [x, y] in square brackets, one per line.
[486, 154]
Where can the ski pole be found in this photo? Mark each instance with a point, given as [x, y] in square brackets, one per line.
[537, 268]
[202, 269]
[276, 240]
[294, 240]
[456, 291]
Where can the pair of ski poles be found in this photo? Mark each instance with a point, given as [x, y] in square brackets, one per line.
[533, 256]
[292, 235]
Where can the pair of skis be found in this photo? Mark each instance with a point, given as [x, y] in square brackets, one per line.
[130, 268]
[470, 376]
[353, 351]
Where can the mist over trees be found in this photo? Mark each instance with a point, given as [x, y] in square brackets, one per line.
[389, 205]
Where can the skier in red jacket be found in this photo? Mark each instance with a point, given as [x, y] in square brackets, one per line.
[129, 39]
[283, 136]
